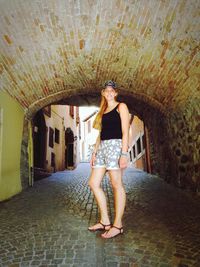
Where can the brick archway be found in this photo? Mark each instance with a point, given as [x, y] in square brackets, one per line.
[150, 48]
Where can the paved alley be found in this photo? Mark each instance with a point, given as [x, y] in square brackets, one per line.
[46, 225]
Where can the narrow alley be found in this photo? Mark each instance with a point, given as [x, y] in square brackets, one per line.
[46, 225]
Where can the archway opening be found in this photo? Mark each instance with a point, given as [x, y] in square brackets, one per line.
[149, 112]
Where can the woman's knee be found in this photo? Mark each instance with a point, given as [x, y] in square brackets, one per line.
[96, 178]
[93, 184]
[116, 179]
[117, 185]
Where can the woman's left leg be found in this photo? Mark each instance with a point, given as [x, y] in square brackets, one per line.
[119, 200]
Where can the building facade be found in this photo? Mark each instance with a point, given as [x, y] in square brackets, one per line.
[56, 139]
[88, 136]
[139, 154]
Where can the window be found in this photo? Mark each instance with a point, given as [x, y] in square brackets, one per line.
[138, 146]
[130, 156]
[57, 136]
[51, 133]
[143, 142]
[134, 154]
[71, 111]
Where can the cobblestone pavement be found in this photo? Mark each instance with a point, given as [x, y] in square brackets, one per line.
[46, 225]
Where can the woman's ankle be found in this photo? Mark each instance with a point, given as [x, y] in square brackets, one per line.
[118, 223]
[105, 220]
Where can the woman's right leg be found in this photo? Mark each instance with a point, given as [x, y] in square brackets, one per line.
[94, 182]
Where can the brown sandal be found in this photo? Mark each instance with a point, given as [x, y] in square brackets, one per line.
[120, 231]
[100, 229]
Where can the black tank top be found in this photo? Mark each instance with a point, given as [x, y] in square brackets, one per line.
[111, 125]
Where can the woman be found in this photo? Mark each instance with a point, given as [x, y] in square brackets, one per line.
[110, 154]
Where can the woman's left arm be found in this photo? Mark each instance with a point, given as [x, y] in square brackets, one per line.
[124, 115]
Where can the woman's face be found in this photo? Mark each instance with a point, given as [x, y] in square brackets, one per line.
[109, 93]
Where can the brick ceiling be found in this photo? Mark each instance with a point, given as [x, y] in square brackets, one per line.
[53, 49]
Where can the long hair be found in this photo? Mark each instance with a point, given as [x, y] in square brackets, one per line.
[103, 105]
[102, 108]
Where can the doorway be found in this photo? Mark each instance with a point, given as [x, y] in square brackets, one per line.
[69, 151]
[39, 141]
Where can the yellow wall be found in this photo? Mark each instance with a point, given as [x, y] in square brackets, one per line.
[12, 126]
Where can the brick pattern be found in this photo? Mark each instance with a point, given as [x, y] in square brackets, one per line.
[150, 47]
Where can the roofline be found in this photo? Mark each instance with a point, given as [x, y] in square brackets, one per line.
[91, 115]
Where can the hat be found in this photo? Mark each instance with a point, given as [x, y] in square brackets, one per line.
[110, 83]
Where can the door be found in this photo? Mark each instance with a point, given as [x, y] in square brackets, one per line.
[70, 158]
[69, 151]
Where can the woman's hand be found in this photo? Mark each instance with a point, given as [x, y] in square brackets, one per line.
[123, 162]
[93, 158]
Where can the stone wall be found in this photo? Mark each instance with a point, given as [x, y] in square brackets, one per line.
[162, 159]
[24, 166]
[184, 133]
[154, 117]
[162, 162]
[175, 146]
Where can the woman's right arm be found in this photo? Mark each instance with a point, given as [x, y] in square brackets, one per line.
[95, 150]
[97, 144]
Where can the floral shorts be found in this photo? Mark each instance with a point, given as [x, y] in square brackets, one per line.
[108, 154]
